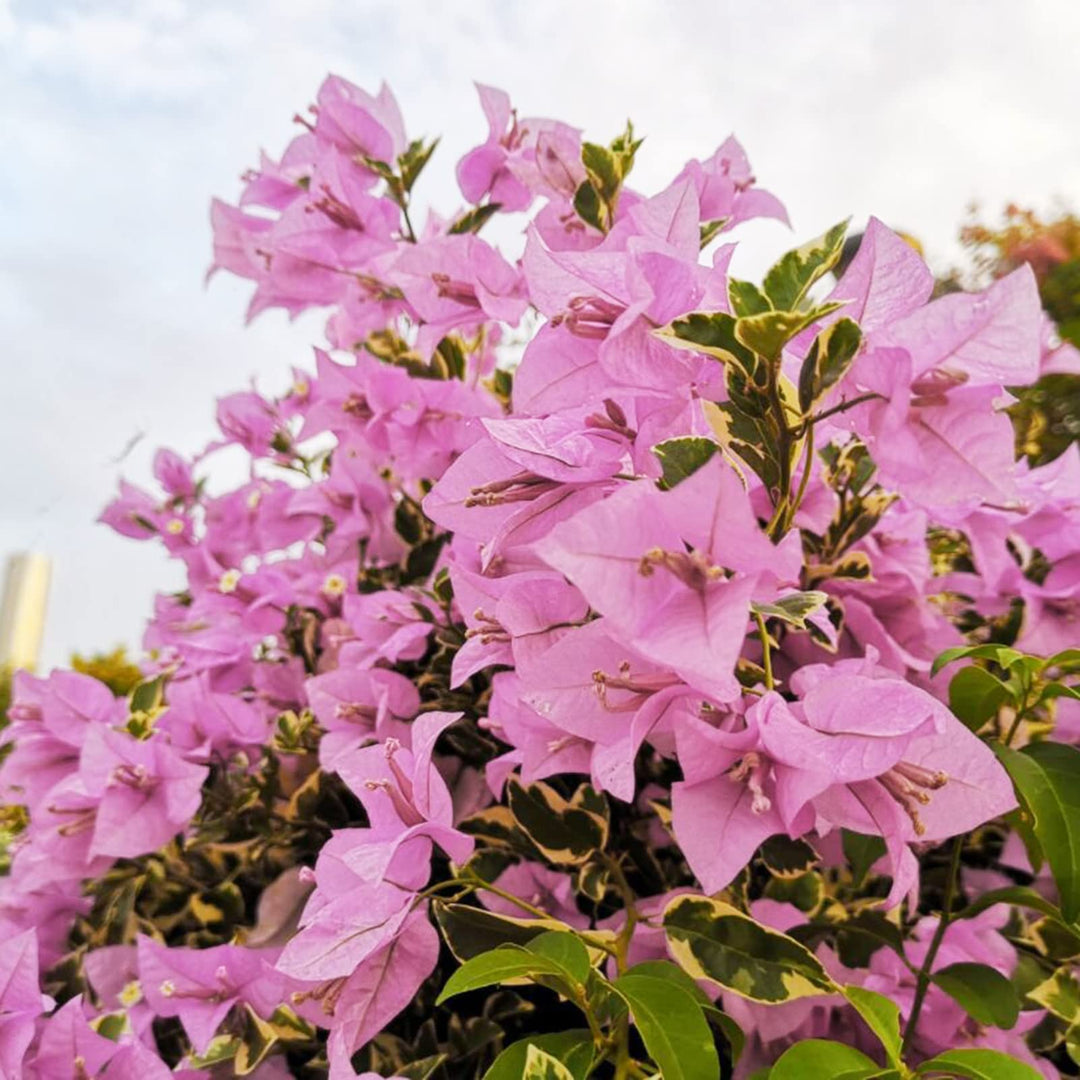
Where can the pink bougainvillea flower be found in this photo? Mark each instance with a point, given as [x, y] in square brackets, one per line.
[21, 1001]
[201, 986]
[862, 749]
[628, 555]
[359, 705]
[147, 792]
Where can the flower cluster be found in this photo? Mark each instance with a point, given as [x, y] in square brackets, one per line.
[586, 588]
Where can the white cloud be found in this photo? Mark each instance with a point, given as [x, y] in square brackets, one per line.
[122, 118]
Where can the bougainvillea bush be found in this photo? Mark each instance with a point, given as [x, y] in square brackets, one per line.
[610, 667]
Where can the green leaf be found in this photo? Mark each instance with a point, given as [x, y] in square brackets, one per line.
[1056, 941]
[566, 950]
[475, 219]
[149, 695]
[472, 931]
[787, 858]
[858, 938]
[746, 298]
[824, 1060]
[975, 696]
[793, 274]
[768, 333]
[1068, 659]
[805, 891]
[712, 334]
[412, 162]
[1001, 655]
[861, 852]
[881, 1015]
[827, 361]
[793, 608]
[564, 833]
[672, 1026]
[1060, 995]
[712, 940]
[1072, 1043]
[542, 1066]
[501, 965]
[1047, 780]
[682, 457]
[589, 207]
[709, 230]
[983, 993]
[665, 969]
[978, 1064]
[573, 1048]
[1017, 895]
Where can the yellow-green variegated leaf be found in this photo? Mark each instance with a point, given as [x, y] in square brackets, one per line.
[827, 361]
[542, 1066]
[713, 940]
[565, 833]
[767, 333]
[1060, 995]
[791, 276]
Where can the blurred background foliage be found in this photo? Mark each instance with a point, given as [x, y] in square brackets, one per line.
[1047, 415]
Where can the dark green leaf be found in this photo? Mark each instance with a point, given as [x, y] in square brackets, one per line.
[682, 457]
[793, 274]
[983, 993]
[672, 1026]
[746, 298]
[861, 852]
[787, 858]
[1047, 780]
[588, 206]
[858, 938]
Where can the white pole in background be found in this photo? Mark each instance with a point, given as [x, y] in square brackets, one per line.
[22, 609]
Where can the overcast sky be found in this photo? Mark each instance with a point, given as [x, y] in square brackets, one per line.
[119, 120]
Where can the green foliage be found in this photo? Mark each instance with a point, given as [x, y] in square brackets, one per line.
[787, 283]
[572, 1049]
[606, 168]
[977, 1064]
[821, 1058]
[985, 994]
[1047, 780]
[827, 361]
[712, 940]
[680, 458]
